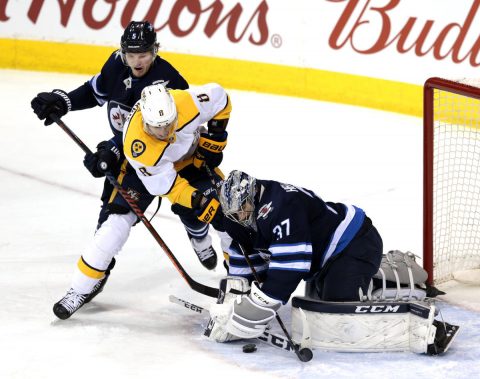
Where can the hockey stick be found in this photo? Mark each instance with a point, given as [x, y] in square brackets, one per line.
[196, 286]
[271, 339]
[303, 353]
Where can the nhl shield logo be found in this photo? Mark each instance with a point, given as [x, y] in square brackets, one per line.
[138, 147]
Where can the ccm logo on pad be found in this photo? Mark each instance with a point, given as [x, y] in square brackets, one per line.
[377, 308]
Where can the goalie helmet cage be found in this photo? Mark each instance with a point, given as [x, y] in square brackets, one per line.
[451, 221]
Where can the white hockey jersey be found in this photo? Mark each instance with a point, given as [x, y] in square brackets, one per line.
[157, 162]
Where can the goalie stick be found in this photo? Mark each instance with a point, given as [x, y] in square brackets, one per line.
[196, 286]
[271, 339]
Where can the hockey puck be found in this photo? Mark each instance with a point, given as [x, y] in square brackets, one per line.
[249, 348]
[305, 354]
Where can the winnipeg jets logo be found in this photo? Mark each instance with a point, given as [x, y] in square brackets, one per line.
[117, 113]
[128, 82]
[264, 211]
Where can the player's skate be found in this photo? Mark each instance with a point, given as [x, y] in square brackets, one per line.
[69, 304]
[205, 252]
[73, 301]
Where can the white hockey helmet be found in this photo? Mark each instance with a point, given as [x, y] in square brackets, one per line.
[237, 198]
[159, 111]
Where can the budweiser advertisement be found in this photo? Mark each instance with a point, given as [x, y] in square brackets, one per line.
[404, 40]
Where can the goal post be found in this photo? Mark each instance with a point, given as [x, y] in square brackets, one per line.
[451, 221]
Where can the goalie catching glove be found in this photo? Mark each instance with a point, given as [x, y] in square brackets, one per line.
[252, 313]
[210, 149]
[245, 316]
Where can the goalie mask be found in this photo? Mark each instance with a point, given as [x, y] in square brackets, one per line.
[159, 112]
[237, 198]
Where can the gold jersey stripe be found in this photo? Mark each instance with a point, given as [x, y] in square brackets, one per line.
[89, 271]
[225, 112]
[181, 192]
[186, 108]
[123, 171]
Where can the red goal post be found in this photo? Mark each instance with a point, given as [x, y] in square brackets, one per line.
[451, 222]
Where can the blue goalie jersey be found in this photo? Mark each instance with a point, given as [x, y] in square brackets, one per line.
[297, 234]
[120, 90]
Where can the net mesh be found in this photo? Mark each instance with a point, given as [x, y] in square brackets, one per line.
[456, 181]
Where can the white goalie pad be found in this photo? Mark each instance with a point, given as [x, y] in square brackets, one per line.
[366, 326]
[402, 269]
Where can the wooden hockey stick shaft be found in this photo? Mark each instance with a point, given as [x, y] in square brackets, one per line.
[304, 354]
[196, 286]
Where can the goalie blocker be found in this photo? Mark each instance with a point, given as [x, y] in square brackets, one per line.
[372, 326]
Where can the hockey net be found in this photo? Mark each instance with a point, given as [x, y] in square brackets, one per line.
[451, 178]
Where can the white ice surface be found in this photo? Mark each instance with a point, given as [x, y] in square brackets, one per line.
[49, 206]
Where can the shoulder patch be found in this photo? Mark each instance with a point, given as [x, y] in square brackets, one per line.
[137, 148]
[138, 145]
[264, 211]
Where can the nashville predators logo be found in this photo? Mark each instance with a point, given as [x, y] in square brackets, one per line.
[138, 147]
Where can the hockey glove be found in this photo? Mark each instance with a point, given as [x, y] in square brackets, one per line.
[206, 208]
[46, 103]
[251, 314]
[103, 160]
[209, 150]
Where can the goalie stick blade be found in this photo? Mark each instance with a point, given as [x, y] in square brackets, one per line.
[274, 340]
[186, 304]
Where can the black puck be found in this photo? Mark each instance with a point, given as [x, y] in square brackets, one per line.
[249, 348]
[305, 354]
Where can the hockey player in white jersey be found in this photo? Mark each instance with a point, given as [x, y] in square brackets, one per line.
[165, 141]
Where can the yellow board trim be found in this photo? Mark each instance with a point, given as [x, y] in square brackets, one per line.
[251, 76]
[88, 271]
[453, 109]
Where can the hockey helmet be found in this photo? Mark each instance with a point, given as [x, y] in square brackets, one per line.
[139, 37]
[237, 198]
[159, 111]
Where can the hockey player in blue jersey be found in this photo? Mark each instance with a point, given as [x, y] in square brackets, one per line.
[290, 234]
[125, 74]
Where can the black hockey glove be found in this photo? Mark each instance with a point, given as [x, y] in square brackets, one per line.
[209, 149]
[206, 208]
[46, 103]
[103, 160]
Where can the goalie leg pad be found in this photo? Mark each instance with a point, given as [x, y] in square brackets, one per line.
[366, 327]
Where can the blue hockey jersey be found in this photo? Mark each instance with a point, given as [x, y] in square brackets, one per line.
[116, 86]
[297, 234]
